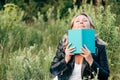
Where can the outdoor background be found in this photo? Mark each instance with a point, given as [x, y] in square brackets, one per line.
[31, 29]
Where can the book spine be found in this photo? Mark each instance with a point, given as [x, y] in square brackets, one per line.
[81, 40]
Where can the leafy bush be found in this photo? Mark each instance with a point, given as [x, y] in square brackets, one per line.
[14, 33]
[26, 50]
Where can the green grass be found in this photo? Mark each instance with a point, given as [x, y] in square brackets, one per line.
[26, 50]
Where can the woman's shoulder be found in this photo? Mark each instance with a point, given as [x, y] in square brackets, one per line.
[101, 45]
[65, 37]
[101, 42]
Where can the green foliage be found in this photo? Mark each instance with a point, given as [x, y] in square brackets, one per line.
[28, 64]
[26, 51]
[14, 33]
[104, 21]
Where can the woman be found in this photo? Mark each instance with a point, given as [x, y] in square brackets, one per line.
[80, 66]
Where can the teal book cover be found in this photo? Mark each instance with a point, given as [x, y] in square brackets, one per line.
[80, 37]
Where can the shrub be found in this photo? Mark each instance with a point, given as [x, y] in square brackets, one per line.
[26, 51]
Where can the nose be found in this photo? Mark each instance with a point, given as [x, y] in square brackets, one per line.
[81, 22]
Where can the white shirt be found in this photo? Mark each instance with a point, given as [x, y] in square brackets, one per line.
[76, 74]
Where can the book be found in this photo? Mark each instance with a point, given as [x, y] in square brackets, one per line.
[80, 37]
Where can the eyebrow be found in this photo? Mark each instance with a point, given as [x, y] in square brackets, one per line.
[83, 18]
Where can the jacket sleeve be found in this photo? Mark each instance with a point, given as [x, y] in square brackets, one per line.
[102, 65]
[58, 65]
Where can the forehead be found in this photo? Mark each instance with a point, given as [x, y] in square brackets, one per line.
[81, 17]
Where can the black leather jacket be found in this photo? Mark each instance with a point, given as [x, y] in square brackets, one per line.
[63, 71]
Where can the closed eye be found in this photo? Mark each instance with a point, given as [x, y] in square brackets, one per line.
[85, 20]
[77, 21]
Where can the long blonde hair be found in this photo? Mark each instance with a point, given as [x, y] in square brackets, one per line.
[99, 41]
[89, 18]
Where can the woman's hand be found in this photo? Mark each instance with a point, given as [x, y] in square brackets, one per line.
[87, 55]
[68, 53]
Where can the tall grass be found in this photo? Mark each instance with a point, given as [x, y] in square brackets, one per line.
[26, 50]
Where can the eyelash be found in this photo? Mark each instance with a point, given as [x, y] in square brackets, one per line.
[83, 20]
[77, 21]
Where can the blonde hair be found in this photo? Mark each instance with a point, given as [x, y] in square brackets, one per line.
[89, 18]
[99, 41]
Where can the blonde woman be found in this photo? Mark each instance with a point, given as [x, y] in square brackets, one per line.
[86, 65]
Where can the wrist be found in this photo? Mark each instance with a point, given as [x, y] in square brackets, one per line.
[66, 59]
[90, 62]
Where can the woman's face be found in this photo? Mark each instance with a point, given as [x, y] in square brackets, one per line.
[81, 21]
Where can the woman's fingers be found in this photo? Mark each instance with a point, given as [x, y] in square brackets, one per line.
[83, 55]
[69, 45]
[70, 50]
[86, 47]
[85, 50]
